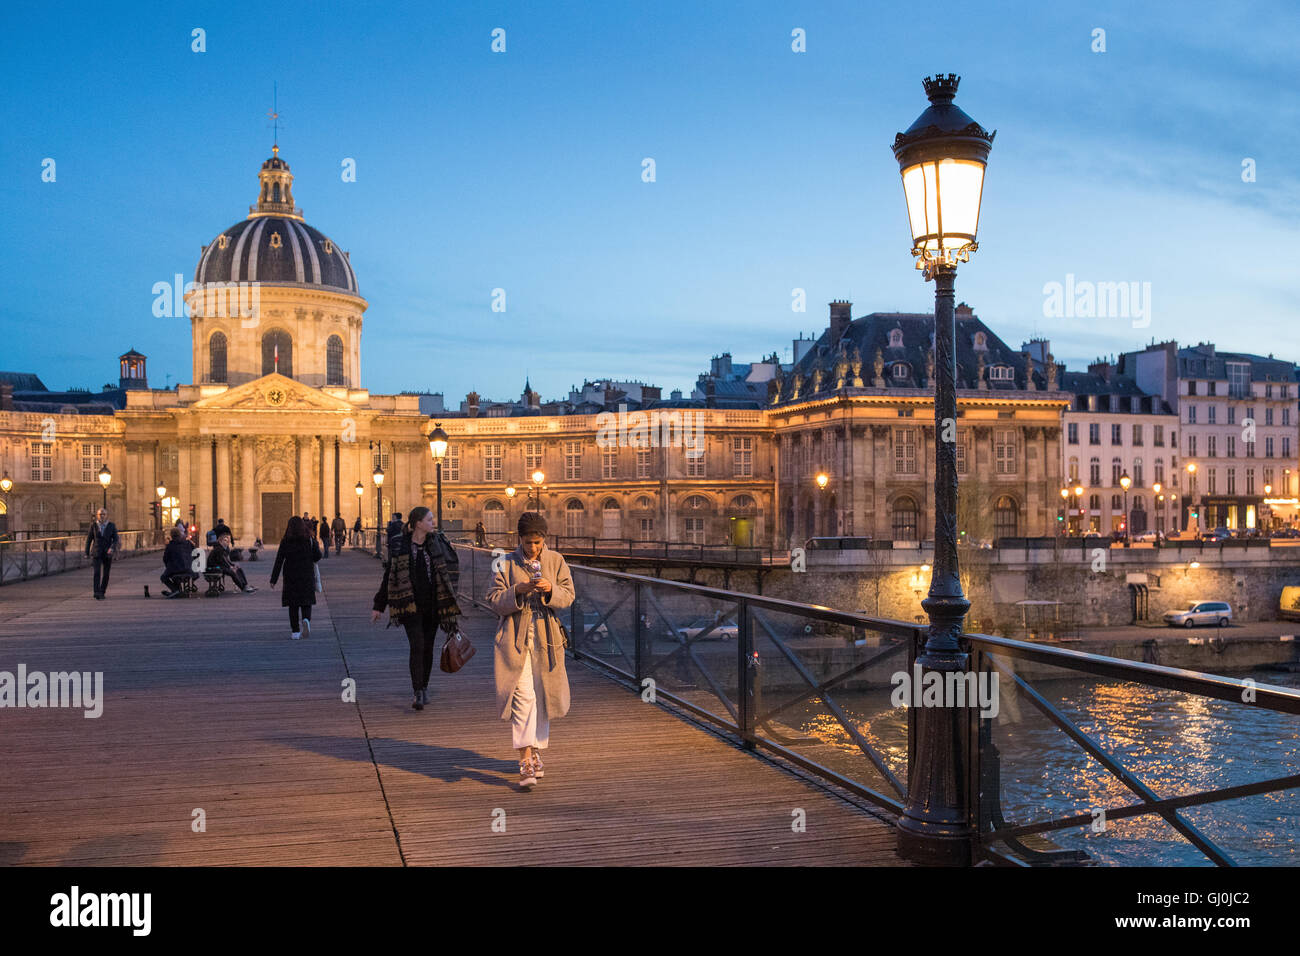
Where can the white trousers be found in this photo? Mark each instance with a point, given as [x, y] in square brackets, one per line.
[529, 725]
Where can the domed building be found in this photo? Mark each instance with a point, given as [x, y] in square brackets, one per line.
[274, 423]
[275, 294]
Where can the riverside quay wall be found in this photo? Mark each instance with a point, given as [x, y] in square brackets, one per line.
[1096, 585]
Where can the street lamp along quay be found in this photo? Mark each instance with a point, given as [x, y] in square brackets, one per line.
[942, 158]
[377, 476]
[105, 476]
[438, 449]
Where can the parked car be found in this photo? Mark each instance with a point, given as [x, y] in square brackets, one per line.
[1147, 536]
[717, 629]
[1201, 612]
[1286, 533]
[1218, 534]
[595, 631]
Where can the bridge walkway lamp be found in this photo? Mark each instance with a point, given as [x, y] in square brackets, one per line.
[105, 476]
[438, 449]
[1125, 482]
[942, 158]
[377, 476]
[823, 480]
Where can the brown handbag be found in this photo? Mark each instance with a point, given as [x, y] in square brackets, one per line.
[456, 652]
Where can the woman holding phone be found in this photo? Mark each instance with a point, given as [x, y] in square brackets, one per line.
[532, 686]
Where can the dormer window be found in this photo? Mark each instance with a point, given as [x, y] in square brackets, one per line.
[900, 370]
[896, 339]
[1002, 373]
[981, 342]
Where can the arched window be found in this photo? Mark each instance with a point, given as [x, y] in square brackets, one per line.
[900, 370]
[643, 503]
[744, 504]
[276, 344]
[1006, 515]
[494, 517]
[1094, 471]
[694, 523]
[1074, 469]
[611, 519]
[904, 519]
[217, 357]
[574, 518]
[334, 361]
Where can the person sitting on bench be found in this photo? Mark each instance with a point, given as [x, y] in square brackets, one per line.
[176, 561]
[219, 560]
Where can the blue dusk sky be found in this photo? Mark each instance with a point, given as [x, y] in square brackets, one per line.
[522, 171]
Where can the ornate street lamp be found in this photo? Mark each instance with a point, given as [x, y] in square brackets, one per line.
[942, 158]
[162, 493]
[438, 449]
[1193, 517]
[377, 476]
[823, 480]
[539, 477]
[105, 476]
[1124, 482]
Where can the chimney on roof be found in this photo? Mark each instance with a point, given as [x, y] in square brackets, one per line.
[1102, 368]
[471, 404]
[6, 397]
[841, 316]
[964, 311]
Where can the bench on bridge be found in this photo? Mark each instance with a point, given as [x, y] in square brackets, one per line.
[216, 583]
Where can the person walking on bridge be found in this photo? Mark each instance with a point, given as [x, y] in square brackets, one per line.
[419, 595]
[532, 686]
[297, 556]
[103, 541]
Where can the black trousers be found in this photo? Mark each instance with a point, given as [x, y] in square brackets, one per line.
[421, 634]
[326, 546]
[102, 567]
[238, 575]
[173, 580]
[294, 611]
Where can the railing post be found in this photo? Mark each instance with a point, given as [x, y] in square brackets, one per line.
[746, 676]
[639, 630]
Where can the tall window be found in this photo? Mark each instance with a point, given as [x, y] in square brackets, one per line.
[1158, 435]
[1250, 481]
[1116, 469]
[904, 519]
[334, 360]
[532, 457]
[494, 517]
[379, 459]
[694, 520]
[1238, 379]
[905, 451]
[960, 449]
[1074, 470]
[1232, 415]
[1268, 416]
[572, 460]
[1210, 442]
[217, 357]
[647, 529]
[611, 519]
[1116, 435]
[609, 463]
[1232, 446]
[643, 463]
[1232, 481]
[1072, 433]
[1160, 470]
[1005, 518]
[277, 343]
[1094, 433]
[1286, 447]
[1191, 414]
[1191, 446]
[1094, 472]
[492, 461]
[1268, 447]
[742, 456]
[1211, 481]
[451, 464]
[1137, 434]
[694, 464]
[1211, 414]
[574, 518]
[42, 454]
[1137, 472]
[92, 457]
[1004, 447]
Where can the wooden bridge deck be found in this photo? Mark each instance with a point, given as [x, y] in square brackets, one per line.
[208, 705]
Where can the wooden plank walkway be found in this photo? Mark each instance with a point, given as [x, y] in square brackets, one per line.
[208, 705]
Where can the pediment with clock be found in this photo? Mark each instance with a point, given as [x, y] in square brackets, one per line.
[274, 392]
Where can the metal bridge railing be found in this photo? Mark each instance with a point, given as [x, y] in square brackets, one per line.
[817, 686]
[37, 557]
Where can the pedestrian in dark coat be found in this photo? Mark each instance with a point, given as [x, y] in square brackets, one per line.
[325, 536]
[177, 563]
[297, 557]
[102, 540]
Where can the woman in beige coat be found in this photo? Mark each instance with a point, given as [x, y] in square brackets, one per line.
[531, 683]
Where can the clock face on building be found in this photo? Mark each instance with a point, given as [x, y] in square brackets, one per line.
[276, 396]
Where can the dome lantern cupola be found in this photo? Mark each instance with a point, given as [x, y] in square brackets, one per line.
[275, 197]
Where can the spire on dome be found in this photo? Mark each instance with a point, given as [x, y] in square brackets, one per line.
[275, 195]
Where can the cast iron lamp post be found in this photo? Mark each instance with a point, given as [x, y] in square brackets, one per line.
[942, 158]
[1124, 482]
[377, 476]
[823, 480]
[105, 476]
[539, 477]
[438, 449]
[1078, 508]
[162, 493]
[6, 485]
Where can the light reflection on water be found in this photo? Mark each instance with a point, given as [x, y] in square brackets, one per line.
[1174, 743]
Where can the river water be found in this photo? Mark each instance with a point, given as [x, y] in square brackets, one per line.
[1174, 743]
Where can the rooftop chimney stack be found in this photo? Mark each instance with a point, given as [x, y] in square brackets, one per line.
[841, 316]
